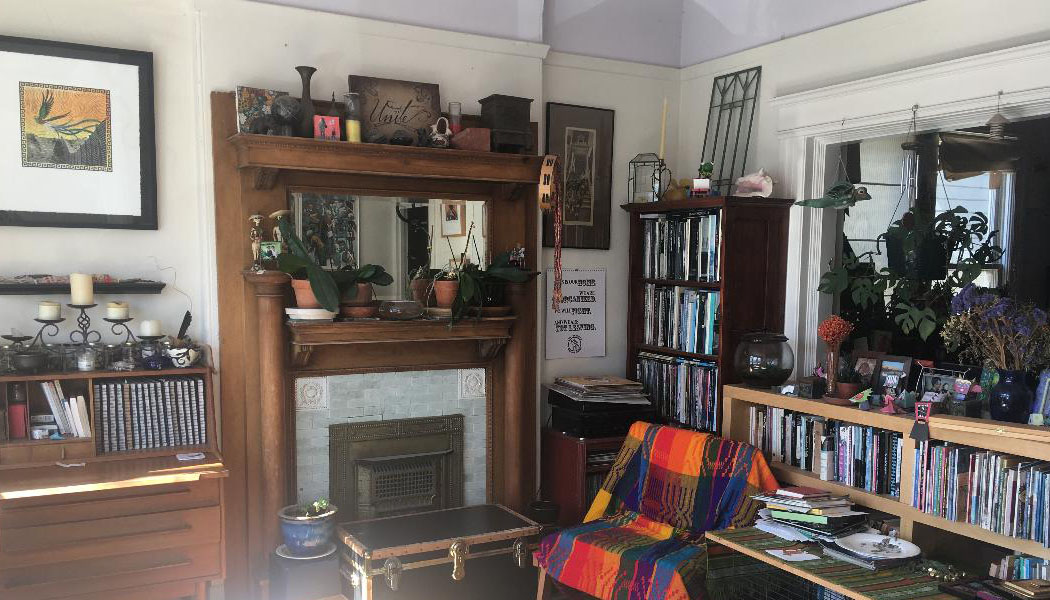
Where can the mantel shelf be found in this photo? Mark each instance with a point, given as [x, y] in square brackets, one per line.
[490, 333]
[269, 155]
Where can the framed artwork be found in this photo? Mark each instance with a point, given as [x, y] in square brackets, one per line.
[866, 366]
[893, 375]
[80, 143]
[327, 223]
[392, 108]
[453, 219]
[326, 128]
[253, 103]
[582, 137]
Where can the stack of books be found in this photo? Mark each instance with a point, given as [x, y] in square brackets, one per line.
[814, 513]
[681, 246]
[141, 413]
[685, 391]
[1006, 494]
[1036, 589]
[70, 412]
[681, 318]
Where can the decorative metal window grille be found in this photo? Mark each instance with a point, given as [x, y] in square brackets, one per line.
[729, 120]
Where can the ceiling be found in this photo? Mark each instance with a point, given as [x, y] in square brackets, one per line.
[673, 33]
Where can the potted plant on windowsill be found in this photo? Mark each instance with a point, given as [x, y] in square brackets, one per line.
[313, 286]
[420, 284]
[356, 285]
[307, 528]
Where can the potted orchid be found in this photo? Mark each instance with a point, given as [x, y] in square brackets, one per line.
[1003, 334]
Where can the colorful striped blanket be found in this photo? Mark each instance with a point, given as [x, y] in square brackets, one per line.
[642, 538]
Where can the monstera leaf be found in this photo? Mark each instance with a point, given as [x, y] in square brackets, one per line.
[840, 196]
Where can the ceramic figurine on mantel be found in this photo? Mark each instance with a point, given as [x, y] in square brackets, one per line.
[255, 235]
[306, 103]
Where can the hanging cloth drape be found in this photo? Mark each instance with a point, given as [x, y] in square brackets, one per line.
[963, 155]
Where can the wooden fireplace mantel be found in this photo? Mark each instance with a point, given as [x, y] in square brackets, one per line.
[261, 354]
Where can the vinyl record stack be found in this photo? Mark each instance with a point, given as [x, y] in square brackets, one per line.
[597, 406]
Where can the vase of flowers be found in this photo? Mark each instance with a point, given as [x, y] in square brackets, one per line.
[834, 330]
[1012, 337]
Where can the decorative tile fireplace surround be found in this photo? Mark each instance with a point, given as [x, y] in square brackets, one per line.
[370, 397]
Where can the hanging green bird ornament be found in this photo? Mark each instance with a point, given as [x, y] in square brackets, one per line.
[840, 196]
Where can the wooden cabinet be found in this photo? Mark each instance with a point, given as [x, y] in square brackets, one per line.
[110, 524]
[573, 470]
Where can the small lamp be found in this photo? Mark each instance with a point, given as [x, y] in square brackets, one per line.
[646, 177]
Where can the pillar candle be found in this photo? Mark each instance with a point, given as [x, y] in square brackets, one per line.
[49, 311]
[353, 130]
[149, 328]
[663, 128]
[81, 289]
[117, 310]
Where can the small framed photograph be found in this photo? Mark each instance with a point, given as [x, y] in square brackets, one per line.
[893, 375]
[326, 128]
[453, 219]
[866, 366]
[269, 250]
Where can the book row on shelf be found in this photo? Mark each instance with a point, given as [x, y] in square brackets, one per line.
[855, 455]
[681, 318]
[69, 413]
[682, 390]
[1005, 494]
[162, 412]
[681, 246]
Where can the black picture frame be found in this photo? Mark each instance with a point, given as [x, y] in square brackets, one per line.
[887, 368]
[561, 118]
[143, 61]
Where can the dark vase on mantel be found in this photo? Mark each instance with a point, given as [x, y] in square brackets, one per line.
[306, 118]
[1011, 399]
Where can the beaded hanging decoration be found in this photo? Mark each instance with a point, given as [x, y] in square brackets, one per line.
[550, 190]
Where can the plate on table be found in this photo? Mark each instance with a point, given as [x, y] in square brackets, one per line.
[309, 314]
[876, 545]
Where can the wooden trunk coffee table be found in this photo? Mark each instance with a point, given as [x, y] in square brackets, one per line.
[384, 549]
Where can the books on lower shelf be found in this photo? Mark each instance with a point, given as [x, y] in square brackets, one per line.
[1006, 494]
[683, 390]
[70, 412]
[1019, 567]
[681, 318]
[146, 413]
[681, 246]
[865, 457]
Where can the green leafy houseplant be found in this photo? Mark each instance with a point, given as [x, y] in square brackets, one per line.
[348, 278]
[921, 278]
[480, 287]
[298, 263]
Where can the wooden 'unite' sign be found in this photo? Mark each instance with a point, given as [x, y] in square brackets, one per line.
[391, 107]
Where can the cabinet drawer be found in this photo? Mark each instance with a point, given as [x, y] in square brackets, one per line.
[104, 504]
[39, 544]
[175, 590]
[89, 576]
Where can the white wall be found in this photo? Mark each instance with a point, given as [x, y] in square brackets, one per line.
[167, 30]
[636, 93]
[917, 34]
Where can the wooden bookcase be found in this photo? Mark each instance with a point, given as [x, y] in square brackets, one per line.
[127, 524]
[1008, 438]
[25, 452]
[569, 469]
[752, 270]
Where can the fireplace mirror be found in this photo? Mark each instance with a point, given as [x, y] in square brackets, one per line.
[402, 235]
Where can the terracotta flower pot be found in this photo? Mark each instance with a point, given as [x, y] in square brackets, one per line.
[846, 390]
[446, 292]
[420, 289]
[304, 294]
[363, 297]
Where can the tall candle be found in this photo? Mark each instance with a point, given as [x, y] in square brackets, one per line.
[149, 328]
[117, 310]
[49, 311]
[81, 289]
[663, 128]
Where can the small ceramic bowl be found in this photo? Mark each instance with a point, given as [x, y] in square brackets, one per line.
[182, 358]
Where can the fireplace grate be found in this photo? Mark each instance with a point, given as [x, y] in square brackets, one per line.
[392, 485]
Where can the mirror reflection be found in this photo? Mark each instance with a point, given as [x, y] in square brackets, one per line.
[400, 234]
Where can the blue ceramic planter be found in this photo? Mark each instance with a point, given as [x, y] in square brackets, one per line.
[306, 536]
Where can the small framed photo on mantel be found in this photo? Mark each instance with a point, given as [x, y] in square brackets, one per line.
[79, 146]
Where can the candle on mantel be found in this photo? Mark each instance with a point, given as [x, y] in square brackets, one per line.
[49, 311]
[81, 289]
[149, 328]
[663, 129]
[117, 310]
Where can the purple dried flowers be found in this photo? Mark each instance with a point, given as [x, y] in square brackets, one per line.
[988, 328]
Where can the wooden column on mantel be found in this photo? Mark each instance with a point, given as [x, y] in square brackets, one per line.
[261, 354]
[270, 288]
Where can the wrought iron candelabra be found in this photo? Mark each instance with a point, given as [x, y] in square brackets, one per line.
[83, 334]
